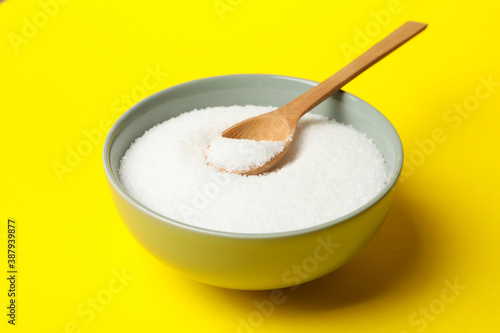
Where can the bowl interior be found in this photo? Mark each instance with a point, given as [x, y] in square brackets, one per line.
[256, 89]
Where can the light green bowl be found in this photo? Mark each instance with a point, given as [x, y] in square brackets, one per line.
[250, 261]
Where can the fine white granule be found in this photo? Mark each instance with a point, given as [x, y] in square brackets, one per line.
[241, 155]
[329, 170]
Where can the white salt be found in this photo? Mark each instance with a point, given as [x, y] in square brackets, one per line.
[241, 155]
[330, 170]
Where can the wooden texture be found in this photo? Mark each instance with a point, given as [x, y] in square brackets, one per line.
[279, 125]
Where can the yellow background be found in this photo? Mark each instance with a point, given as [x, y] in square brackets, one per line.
[83, 63]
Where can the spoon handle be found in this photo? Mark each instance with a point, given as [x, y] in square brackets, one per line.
[314, 96]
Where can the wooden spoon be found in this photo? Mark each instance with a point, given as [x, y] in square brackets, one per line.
[279, 125]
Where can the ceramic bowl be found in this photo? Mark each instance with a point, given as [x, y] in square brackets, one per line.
[250, 261]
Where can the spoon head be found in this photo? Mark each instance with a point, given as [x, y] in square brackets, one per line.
[267, 127]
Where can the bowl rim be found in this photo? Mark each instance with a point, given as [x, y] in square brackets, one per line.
[117, 186]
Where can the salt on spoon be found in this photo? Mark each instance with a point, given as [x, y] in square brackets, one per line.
[279, 125]
[241, 155]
